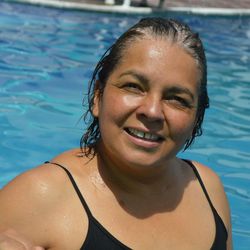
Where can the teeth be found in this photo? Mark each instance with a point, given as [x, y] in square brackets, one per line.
[143, 135]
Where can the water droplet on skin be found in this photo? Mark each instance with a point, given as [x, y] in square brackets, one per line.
[97, 180]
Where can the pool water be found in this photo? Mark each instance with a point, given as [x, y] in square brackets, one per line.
[46, 59]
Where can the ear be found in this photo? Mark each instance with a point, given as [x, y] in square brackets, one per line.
[96, 103]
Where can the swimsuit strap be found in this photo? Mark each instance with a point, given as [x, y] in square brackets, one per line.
[200, 181]
[221, 231]
[97, 236]
[84, 203]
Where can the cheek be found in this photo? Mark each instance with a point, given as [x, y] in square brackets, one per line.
[117, 104]
[130, 101]
[181, 124]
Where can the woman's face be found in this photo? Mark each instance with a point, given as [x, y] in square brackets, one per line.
[148, 107]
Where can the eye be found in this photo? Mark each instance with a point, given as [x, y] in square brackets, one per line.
[179, 101]
[132, 87]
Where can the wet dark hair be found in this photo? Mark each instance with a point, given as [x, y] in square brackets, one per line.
[169, 29]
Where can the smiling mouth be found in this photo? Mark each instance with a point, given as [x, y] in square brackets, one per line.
[144, 135]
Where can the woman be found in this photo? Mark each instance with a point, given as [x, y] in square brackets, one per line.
[126, 188]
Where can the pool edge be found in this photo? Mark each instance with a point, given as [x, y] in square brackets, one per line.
[135, 10]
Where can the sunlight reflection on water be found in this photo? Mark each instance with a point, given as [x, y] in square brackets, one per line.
[46, 58]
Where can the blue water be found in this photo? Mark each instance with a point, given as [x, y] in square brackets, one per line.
[46, 59]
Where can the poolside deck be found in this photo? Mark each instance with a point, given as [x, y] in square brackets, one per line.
[235, 4]
[210, 7]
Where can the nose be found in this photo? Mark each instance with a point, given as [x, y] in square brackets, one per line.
[151, 108]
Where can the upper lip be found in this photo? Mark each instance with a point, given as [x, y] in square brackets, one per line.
[147, 132]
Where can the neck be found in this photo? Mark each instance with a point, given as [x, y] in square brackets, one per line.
[138, 181]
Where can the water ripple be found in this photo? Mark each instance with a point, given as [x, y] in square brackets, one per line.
[240, 193]
[46, 59]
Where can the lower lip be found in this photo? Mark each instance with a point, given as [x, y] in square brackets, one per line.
[143, 143]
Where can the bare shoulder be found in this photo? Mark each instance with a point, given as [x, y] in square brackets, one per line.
[33, 185]
[41, 182]
[25, 200]
[213, 185]
[215, 189]
[32, 199]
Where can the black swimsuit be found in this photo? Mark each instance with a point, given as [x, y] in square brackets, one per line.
[98, 238]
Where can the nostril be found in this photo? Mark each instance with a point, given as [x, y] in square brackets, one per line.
[151, 123]
[151, 115]
[151, 118]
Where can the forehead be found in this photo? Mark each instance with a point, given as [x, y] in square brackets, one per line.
[154, 47]
[160, 59]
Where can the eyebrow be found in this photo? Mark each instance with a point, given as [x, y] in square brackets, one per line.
[174, 89]
[137, 75]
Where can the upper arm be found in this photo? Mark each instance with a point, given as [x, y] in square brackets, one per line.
[218, 197]
[25, 205]
[44, 208]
